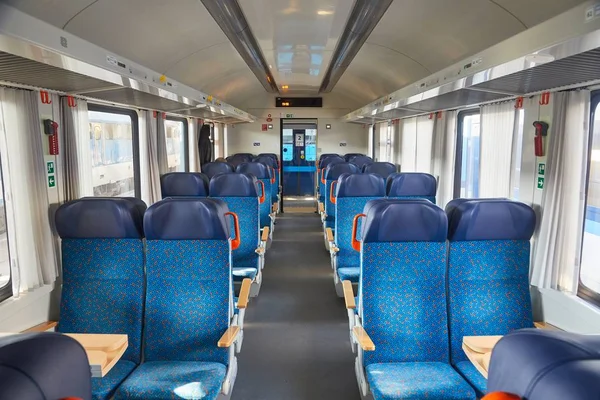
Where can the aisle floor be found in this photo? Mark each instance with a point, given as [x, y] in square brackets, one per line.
[296, 343]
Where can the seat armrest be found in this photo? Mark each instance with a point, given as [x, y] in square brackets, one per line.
[275, 208]
[265, 234]
[229, 336]
[321, 207]
[349, 295]
[329, 233]
[363, 339]
[244, 293]
[43, 327]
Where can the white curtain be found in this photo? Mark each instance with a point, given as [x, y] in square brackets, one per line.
[161, 144]
[557, 246]
[150, 174]
[194, 159]
[74, 153]
[408, 147]
[425, 127]
[417, 142]
[497, 126]
[32, 254]
[443, 154]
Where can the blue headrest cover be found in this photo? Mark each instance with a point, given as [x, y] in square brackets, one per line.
[453, 204]
[330, 160]
[270, 161]
[384, 169]
[404, 221]
[138, 203]
[249, 156]
[233, 185]
[184, 184]
[491, 220]
[410, 184]
[187, 219]
[361, 161]
[349, 156]
[334, 171]
[99, 218]
[213, 168]
[360, 185]
[259, 170]
[322, 156]
[272, 155]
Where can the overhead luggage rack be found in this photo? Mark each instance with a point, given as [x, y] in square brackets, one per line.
[38, 55]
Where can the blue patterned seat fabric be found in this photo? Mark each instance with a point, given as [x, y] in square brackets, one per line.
[488, 272]
[361, 161]
[184, 184]
[384, 169]
[262, 173]
[189, 301]
[323, 164]
[277, 169]
[332, 173]
[402, 302]
[103, 276]
[240, 193]
[271, 163]
[411, 185]
[352, 194]
[213, 168]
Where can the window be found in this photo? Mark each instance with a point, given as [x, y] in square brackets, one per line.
[5, 276]
[517, 154]
[176, 135]
[467, 157]
[589, 274]
[114, 151]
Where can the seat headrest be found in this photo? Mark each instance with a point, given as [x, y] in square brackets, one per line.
[324, 155]
[325, 161]
[453, 204]
[259, 170]
[361, 161]
[334, 171]
[384, 169]
[138, 203]
[349, 156]
[272, 155]
[360, 185]
[187, 219]
[268, 161]
[237, 160]
[491, 220]
[184, 184]
[213, 168]
[245, 155]
[410, 184]
[100, 218]
[233, 185]
[404, 221]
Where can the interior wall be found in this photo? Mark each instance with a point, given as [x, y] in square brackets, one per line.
[242, 138]
[342, 138]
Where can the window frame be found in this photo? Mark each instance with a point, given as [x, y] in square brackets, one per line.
[186, 144]
[459, 145]
[135, 136]
[583, 291]
[6, 292]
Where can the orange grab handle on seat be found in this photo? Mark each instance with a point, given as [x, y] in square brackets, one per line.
[262, 197]
[501, 396]
[331, 192]
[273, 177]
[323, 176]
[356, 243]
[235, 242]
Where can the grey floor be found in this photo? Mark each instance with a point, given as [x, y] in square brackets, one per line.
[296, 343]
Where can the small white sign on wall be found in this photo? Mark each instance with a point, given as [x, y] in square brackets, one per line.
[256, 144]
[343, 144]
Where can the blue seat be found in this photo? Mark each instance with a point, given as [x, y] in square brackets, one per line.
[411, 185]
[40, 366]
[331, 174]
[189, 303]
[263, 174]
[103, 276]
[236, 160]
[184, 184]
[277, 169]
[361, 161]
[247, 156]
[384, 169]
[542, 364]
[272, 164]
[213, 168]
[488, 274]
[349, 156]
[240, 193]
[402, 304]
[353, 191]
[323, 164]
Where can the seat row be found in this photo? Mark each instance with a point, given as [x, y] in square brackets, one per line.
[427, 278]
[164, 272]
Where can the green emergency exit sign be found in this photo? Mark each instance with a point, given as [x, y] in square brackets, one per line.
[50, 167]
[51, 181]
[541, 169]
[540, 182]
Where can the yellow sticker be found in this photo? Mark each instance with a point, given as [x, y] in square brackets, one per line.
[302, 157]
[163, 79]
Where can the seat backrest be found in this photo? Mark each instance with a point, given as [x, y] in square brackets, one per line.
[189, 296]
[361, 161]
[488, 270]
[40, 366]
[236, 160]
[383, 169]
[263, 174]
[184, 184]
[411, 185]
[353, 191]
[103, 269]
[349, 156]
[331, 174]
[272, 164]
[247, 156]
[240, 193]
[323, 164]
[402, 296]
[213, 168]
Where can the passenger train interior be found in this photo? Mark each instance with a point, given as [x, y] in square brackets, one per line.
[292, 199]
